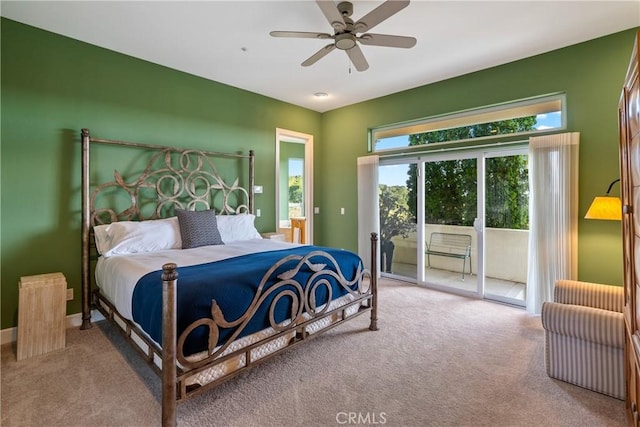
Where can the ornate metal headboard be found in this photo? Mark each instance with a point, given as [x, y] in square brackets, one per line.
[173, 177]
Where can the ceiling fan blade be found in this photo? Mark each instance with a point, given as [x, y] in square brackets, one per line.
[318, 55]
[357, 58]
[379, 14]
[332, 14]
[300, 34]
[387, 40]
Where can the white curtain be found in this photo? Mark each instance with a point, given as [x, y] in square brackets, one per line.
[553, 215]
[368, 208]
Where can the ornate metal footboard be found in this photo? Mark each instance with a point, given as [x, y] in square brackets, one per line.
[362, 289]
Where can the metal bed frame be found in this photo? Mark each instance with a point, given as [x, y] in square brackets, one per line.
[179, 177]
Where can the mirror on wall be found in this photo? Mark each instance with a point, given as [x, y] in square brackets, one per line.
[294, 174]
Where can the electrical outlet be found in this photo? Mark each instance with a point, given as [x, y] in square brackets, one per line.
[258, 213]
[316, 210]
[69, 294]
[341, 211]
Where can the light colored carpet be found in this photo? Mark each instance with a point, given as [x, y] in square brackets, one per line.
[437, 360]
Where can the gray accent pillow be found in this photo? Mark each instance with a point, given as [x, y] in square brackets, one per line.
[198, 228]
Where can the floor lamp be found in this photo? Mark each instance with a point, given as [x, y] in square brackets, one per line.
[606, 207]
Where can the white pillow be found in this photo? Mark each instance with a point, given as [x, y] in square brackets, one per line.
[128, 237]
[237, 227]
[102, 238]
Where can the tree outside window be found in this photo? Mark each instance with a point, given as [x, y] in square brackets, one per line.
[451, 186]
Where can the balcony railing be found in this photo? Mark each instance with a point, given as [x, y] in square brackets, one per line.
[506, 254]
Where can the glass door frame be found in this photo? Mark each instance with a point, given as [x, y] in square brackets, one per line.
[420, 212]
[505, 152]
[420, 162]
[480, 154]
[448, 156]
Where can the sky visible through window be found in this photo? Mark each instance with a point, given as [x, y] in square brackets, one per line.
[397, 174]
[393, 175]
[543, 122]
[296, 167]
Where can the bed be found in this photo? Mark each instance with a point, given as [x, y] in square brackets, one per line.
[171, 255]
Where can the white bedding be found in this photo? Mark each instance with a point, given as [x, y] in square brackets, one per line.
[116, 276]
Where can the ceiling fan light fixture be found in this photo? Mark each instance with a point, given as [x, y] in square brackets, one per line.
[345, 41]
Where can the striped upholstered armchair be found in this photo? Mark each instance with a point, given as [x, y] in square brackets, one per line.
[584, 336]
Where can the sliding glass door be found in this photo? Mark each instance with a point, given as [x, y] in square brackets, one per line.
[450, 207]
[398, 256]
[506, 226]
[473, 214]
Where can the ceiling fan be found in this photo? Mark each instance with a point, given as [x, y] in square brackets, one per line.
[345, 36]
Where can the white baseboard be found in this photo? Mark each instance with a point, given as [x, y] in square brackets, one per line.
[73, 321]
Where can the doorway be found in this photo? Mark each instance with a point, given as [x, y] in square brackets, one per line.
[294, 185]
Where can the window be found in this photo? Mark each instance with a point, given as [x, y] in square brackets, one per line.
[514, 118]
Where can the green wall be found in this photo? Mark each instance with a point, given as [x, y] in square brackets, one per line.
[53, 86]
[590, 73]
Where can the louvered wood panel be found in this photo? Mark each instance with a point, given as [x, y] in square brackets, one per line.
[41, 314]
[629, 132]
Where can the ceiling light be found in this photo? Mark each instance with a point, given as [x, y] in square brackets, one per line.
[321, 95]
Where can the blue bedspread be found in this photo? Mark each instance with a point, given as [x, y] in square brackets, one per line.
[232, 283]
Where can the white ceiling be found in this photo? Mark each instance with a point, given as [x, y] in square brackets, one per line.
[229, 42]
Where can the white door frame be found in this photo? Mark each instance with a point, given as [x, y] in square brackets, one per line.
[306, 139]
